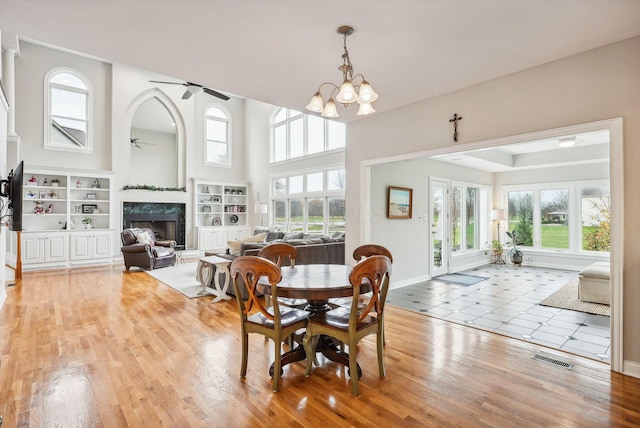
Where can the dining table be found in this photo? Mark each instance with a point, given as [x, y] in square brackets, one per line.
[315, 283]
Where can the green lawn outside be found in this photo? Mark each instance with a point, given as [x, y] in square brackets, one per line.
[555, 236]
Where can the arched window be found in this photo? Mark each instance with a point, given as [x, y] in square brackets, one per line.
[217, 136]
[68, 111]
[294, 134]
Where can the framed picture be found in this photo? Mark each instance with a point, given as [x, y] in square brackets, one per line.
[399, 202]
[216, 221]
[88, 209]
[91, 196]
[43, 195]
[206, 209]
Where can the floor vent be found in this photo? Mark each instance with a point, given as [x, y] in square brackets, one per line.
[553, 361]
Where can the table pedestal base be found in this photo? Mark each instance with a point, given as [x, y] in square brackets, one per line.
[328, 348]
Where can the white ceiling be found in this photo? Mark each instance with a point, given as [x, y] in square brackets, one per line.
[279, 51]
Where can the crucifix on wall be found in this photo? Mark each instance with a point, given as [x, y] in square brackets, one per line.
[455, 126]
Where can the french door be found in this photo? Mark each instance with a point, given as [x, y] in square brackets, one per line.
[439, 220]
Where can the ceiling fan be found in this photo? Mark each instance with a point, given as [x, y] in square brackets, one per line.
[136, 142]
[194, 88]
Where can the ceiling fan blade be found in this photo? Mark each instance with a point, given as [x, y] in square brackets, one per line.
[168, 83]
[215, 94]
[187, 94]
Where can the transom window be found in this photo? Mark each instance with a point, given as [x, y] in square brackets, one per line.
[217, 136]
[68, 111]
[295, 134]
[310, 202]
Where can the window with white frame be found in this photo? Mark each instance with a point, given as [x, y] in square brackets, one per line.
[469, 214]
[295, 134]
[217, 136]
[569, 216]
[310, 202]
[67, 111]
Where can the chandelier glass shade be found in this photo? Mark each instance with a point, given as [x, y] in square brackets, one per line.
[348, 92]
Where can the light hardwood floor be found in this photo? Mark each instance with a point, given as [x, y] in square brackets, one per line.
[107, 348]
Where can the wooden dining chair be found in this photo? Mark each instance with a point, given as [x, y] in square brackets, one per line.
[275, 323]
[349, 325]
[278, 253]
[368, 250]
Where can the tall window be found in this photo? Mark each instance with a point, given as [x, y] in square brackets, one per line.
[294, 134]
[217, 136]
[311, 202]
[466, 229]
[68, 107]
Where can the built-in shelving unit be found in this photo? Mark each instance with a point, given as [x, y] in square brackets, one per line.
[220, 213]
[66, 218]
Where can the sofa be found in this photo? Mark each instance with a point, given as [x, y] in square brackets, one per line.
[594, 283]
[312, 249]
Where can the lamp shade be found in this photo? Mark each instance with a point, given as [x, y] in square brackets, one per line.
[261, 208]
[316, 103]
[366, 93]
[347, 94]
[497, 214]
[330, 109]
[365, 108]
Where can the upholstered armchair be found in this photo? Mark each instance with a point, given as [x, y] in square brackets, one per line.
[140, 248]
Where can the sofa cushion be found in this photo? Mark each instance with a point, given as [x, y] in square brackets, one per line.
[236, 246]
[162, 251]
[293, 235]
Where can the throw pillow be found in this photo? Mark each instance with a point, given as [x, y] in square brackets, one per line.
[293, 235]
[235, 246]
[143, 237]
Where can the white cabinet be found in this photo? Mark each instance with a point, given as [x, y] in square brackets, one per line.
[44, 248]
[90, 246]
[212, 238]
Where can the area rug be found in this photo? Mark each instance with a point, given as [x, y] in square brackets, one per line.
[567, 298]
[181, 277]
[460, 279]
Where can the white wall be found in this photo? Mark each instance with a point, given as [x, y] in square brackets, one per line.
[596, 85]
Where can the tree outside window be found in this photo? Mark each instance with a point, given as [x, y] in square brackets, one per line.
[521, 216]
[596, 219]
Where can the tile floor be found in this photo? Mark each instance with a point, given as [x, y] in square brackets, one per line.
[506, 303]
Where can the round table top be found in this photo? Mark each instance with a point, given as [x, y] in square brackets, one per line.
[315, 282]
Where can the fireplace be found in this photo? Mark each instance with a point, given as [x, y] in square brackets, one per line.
[166, 219]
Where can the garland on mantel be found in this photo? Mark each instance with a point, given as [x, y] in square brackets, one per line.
[154, 188]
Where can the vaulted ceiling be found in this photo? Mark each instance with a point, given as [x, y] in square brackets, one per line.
[280, 51]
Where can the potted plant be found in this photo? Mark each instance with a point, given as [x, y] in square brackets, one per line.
[88, 222]
[514, 252]
[55, 182]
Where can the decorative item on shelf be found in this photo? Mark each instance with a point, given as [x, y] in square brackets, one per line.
[33, 181]
[96, 211]
[55, 182]
[226, 191]
[206, 209]
[39, 208]
[347, 91]
[233, 219]
[233, 191]
[88, 209]
[208, 221]
[78, 209]
[205, 189]
[45, 182]
[215, 200]
[31, 194]
[96, 184]
[78, 183]
[216, 221]
[49, 209]
[88, 222]
[91, 196]
[43, 195]
[239, 192]
[52, 194]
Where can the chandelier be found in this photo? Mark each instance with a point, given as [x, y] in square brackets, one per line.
[348, 92]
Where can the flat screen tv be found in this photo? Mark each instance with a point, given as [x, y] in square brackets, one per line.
[12, 190]
[16, 197]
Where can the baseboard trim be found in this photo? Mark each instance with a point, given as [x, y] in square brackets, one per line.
[631, 368]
